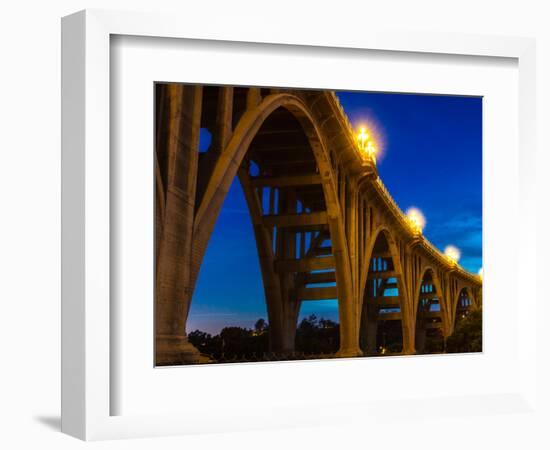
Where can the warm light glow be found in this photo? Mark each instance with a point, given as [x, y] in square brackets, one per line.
[480, 273]
[452, 253]
[362, 136]
[366, 144]
[416, 219]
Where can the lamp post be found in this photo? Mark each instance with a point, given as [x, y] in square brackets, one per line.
[416, 220]
[365, 144]
[452, 253]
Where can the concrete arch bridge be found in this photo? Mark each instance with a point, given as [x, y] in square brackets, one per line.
[324, 223]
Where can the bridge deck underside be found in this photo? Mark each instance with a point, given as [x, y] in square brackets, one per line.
[285, 177]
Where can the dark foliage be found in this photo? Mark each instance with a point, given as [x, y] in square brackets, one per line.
[313, 337]
[467, 336]
[389, 336]
[317, 336]
[434, 342]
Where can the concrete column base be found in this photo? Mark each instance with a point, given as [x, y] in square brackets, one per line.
[175, 350]
[349, 353]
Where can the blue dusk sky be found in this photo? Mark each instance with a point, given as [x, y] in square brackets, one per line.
[430, 158]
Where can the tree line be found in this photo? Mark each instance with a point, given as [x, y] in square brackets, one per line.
[313, 337]
[318, 337]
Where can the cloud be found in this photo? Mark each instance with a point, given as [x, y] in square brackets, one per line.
[463, 231]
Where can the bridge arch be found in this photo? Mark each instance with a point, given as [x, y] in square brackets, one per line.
[463, 303]
[345, 200]
[376, 233]
[247, 128]
[430, 313]
[285, 272]
[380, 310]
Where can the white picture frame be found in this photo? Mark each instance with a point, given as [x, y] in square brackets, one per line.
[87, 386]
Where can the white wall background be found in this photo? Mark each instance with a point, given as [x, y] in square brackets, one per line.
[30, 199]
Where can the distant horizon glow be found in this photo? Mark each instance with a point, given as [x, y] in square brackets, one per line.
[429, 156]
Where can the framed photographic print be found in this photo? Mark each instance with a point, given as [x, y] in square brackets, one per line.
[247, 214]
[292, 247]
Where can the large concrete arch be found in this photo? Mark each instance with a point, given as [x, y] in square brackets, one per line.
[226, 169]
[429, 270]
[355, 206]
[442, 303]
[456, 299]
[407, 332]
[396, 257]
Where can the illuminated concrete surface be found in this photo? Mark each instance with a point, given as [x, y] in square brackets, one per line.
[325, 225]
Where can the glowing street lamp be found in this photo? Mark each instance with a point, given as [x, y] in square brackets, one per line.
[452, 253]
[416, 219]
[365, 144]
[362, 138]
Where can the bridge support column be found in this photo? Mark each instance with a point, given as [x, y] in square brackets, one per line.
[283, 336]
[372, 330]
[408, 340]
[368, 330]
[177, 153]
[286, 248]
[351, 349]
[282, 309]
[349, 331]
[420, 338]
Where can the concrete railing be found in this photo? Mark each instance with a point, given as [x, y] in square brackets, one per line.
[392, 204]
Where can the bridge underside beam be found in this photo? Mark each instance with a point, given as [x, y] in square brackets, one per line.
[304, 264]
[383, 275]
[321, 251]
[320, 277]
[314, 219]
[387, 301]
[389, 316]
[429, 314]
[383, 255]
[321, 293]
[286, 181]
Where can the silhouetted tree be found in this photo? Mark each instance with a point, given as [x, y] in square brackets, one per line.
[317, 336]
[467, 335]
[205, 342]
[235, 340]
[313, 337]
[261, 326]
[327, 323]
[389, 336]
[434, 341]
